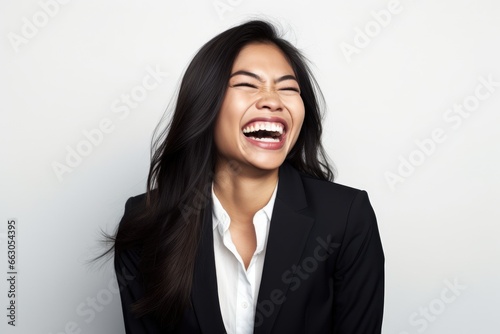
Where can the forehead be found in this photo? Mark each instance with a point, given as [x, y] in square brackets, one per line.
[262, 57]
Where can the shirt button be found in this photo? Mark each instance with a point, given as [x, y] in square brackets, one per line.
[244, 305]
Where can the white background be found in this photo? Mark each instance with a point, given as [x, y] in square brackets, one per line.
[438, 222]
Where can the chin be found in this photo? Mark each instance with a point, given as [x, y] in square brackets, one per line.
[267, 163]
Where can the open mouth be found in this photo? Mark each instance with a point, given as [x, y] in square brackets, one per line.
[271, 132]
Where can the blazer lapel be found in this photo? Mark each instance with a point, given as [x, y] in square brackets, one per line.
[204, 291]
[288, 234]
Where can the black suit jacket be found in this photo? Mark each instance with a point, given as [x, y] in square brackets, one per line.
[323, 269]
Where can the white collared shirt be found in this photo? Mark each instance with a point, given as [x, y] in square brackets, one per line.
[238, 288]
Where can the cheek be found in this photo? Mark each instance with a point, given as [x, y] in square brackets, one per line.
[231, 113]
[226, 129]
[298, 116]
[222, 132]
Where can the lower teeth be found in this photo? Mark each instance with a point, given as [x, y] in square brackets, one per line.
[267, 139]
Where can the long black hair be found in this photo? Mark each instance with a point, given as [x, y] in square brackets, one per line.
[182, 167]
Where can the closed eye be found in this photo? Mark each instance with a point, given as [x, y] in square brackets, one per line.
[291, 88]
[244, 84]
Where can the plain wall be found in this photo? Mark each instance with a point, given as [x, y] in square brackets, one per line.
[413, 95]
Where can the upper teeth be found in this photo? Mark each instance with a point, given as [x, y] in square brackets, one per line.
[264, 126]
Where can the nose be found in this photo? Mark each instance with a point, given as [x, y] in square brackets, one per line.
[270, 101]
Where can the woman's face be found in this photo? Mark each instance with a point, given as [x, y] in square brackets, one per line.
[262, 112]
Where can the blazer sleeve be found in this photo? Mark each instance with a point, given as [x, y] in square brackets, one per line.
[130, 283]
[359, 273]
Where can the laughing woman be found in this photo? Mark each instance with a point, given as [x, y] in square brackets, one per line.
[242, 229]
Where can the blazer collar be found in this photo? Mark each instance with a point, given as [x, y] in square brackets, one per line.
[204, 294]
[288, 234]
[290, 187]
[287, 238]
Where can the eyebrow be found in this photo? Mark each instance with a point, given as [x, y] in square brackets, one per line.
[253, 75]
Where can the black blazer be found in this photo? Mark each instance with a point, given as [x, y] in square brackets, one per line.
[323, 268]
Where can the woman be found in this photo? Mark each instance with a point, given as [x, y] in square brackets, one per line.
[241, 229]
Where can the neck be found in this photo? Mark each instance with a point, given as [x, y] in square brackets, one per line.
[243, 192]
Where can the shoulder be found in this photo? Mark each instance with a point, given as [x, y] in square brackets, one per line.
[327, 188]
[330, 204]
[324, 193]
[135, 206]
[345, 211]
[128, 227]
[135, 203]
